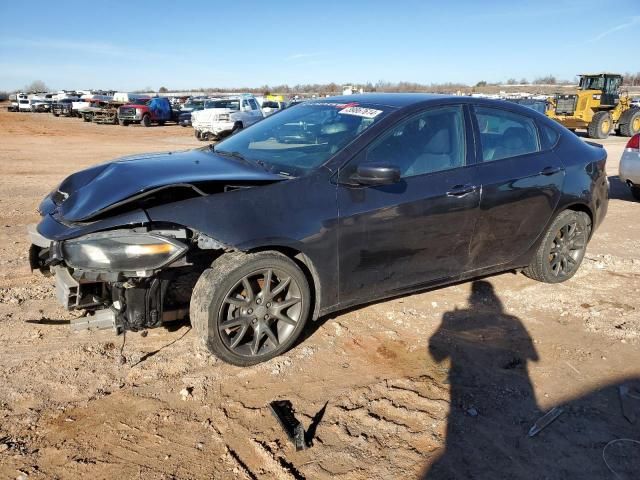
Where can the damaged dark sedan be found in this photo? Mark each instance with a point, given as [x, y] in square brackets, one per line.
[326, 205]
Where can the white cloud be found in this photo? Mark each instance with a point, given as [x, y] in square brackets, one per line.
[93, 48]
[301, 56]
[635, 20]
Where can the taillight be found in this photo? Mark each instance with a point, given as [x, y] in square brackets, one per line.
[634, 142]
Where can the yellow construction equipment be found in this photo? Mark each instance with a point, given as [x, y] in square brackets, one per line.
[598, 105]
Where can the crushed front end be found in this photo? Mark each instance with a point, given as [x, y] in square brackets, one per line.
[128, 279]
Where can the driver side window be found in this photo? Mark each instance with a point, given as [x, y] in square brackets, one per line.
[428, 142]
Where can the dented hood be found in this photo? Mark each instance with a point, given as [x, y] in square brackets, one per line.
[90, 192]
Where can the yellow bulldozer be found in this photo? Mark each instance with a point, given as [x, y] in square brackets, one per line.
[598, 105]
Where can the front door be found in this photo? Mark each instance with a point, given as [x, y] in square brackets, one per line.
[415, 231]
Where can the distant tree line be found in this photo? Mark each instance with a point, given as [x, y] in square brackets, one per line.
[631, 79]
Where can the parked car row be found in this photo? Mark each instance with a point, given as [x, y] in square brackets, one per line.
[212, 118]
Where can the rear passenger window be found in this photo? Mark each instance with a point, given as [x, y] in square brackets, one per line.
[550, 136]
[505, 134]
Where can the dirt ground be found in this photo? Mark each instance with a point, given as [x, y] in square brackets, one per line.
[438, 385]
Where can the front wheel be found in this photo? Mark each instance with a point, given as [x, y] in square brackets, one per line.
[249, 308]
[146, 121]
[600, 125]
[562, 249]
[635, 191]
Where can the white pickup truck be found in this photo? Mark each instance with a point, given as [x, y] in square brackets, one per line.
[224, 116]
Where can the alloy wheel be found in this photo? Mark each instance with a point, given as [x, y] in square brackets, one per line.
[567, 249]
[260, 312]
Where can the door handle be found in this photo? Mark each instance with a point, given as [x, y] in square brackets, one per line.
[461, 190]
[550, 170]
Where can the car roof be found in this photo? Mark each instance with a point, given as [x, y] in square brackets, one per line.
[398, 100]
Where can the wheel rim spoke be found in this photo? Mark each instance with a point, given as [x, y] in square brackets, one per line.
[234, 322]
[284, 318]
[239, 336]
[266, 288]
[281, 287]
[248, 288]
[269, 333]
[255, 345]
[236, 302]
[289, 302]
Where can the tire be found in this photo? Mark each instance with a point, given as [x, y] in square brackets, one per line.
[161, 123]
[630, 122]
[56, 114]
[221, 295]
[635, 191]
[196, 133]
[87, 118]
[563, 246]
[600, 125]
[146, 120]
[124, 123]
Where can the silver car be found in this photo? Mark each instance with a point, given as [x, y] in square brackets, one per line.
[630, 165]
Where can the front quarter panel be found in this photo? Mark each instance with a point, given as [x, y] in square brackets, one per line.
[299, 214]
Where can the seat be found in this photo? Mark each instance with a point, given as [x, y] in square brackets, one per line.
[436, 155]
[515, 141]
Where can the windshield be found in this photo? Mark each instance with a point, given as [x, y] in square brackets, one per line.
[302, 138]
[230, 104]
[270, 105]
[192, 105]
[592, 83]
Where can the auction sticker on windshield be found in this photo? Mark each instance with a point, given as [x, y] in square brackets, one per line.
[361, 112]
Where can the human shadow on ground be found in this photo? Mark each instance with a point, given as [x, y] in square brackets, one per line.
[493, 406]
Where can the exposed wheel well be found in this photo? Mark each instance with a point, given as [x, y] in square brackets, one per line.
[306, 265]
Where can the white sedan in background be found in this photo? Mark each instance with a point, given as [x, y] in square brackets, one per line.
[630, 166]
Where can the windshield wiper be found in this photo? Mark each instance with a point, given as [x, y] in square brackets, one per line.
[233, 154]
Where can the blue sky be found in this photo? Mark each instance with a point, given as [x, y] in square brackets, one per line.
[135, 44]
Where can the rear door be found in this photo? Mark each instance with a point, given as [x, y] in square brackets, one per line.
[521, 179]
[418, 230]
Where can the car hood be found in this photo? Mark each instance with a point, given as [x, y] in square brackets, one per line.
[90, 192]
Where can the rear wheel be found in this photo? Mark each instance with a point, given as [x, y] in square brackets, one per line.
[124, 123]
[630, 122]
[146, 120]
[562, 249]
[249, 308]
[600, 125]
[196, 133]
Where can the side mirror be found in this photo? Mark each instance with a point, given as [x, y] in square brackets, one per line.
[376, 174]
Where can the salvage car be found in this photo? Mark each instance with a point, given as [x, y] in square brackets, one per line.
[270, 107]
[328, 204]
[145, 112]
[63, 107]
[224, 116]
[193, 105]
[630, 166]
[39, 105]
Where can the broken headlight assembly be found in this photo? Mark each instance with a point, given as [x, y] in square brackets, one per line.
[122, 251]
